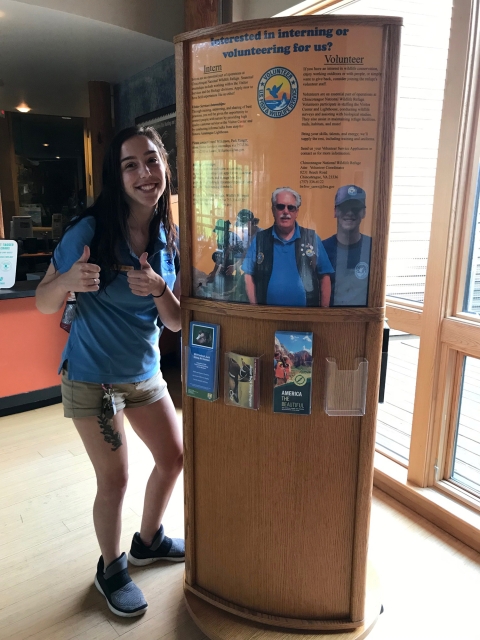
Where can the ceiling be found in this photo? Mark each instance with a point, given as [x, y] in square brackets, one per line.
[48, 56]
[158, 18]
[50, 49]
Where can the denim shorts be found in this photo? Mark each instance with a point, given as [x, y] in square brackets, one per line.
[84, 399]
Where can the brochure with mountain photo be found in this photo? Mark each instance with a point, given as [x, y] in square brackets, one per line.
[292, 370]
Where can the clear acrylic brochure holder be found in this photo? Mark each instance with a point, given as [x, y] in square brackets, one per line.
[346, 390]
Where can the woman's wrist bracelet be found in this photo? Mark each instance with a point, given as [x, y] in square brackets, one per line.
[164, 289]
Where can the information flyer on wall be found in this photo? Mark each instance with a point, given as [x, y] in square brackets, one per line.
[284, 135]
[292, 370]
[203, 360]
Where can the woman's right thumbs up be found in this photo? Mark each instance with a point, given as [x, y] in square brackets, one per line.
[83, 276]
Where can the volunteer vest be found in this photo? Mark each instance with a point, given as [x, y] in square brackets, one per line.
[306, 259]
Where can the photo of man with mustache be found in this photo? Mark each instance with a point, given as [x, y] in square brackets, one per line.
[287, 264]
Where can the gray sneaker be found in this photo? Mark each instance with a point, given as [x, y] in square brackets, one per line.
[162, 548]
[123, 596]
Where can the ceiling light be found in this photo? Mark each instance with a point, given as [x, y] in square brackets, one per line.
[66, 118]
[46, 144]
[57, 157]
[23, 108]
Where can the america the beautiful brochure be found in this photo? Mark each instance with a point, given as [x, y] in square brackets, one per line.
[292, 370]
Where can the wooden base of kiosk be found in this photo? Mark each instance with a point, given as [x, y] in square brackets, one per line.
[221, 625]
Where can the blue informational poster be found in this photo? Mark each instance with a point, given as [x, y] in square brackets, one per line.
[202, 361]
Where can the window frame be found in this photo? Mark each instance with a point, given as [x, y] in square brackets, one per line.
[450, 334]
[466, 226]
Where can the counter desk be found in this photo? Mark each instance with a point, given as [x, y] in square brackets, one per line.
[31, 344]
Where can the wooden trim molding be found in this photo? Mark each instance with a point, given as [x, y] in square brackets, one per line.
[461, 335]
[101, 128]
[384, 160]
[189, 469]
[182, 74]
[451, 401]
[265, 312]
[459, 494]
[378, 21]
[2, 231]
[309, 624]
[445, 416]
[453, 517]
[87, 148]
[469, 149]
[8, 173]
[403, 319]
[201, 13]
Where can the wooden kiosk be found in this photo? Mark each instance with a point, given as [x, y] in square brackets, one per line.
[277, 506]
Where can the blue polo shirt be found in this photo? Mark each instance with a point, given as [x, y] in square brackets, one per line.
[114, 336]
[285, 287]
[352, 265]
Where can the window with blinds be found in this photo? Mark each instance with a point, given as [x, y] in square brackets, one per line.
[423, 61]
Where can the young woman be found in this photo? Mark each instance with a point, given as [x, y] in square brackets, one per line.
[120, 258]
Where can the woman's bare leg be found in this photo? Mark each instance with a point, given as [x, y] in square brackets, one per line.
[107, 449]
[157, 425]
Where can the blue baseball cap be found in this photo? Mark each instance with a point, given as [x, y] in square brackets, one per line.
[350, 192]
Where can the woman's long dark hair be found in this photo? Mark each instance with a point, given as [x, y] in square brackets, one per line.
[111, 211]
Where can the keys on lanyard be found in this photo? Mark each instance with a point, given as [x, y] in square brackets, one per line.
[108, 402]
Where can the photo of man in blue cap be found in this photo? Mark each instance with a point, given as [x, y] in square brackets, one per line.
[349, 249]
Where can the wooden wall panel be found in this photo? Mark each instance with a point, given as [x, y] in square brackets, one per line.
[289, 504]
[8, 174]
[2, 232]
[201, 13]
[101, 128]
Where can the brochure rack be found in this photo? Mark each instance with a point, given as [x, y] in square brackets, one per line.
[277, 506]
[346, 391]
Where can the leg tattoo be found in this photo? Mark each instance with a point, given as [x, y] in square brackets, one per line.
[110, 435]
